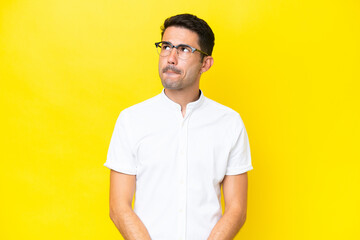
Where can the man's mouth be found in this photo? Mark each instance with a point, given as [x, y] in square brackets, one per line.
[171, 69]
[171, 72]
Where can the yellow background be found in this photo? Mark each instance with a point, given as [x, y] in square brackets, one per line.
[290, 68]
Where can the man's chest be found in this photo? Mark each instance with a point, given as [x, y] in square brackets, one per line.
[192, 145]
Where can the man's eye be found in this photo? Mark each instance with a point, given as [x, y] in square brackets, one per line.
[165, 46]
[184, 49]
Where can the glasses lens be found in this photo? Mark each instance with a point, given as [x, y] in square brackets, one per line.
[164, 49]
[184, 51]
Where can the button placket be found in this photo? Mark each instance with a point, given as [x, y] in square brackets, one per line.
[182, 167]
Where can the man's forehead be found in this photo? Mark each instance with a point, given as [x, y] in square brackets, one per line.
[179, 35]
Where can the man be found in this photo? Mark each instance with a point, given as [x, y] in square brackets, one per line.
[175, 150]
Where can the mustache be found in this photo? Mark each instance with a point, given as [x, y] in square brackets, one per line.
[171, 68]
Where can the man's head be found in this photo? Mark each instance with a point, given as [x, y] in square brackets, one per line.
[195, 24]
[177, 72]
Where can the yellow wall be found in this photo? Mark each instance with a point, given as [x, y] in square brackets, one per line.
[290, 68]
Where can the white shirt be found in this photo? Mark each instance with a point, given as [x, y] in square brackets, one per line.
[179, 162]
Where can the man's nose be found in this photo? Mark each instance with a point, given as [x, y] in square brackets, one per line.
[172, 58]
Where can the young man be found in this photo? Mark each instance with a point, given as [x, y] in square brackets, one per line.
[176, 149]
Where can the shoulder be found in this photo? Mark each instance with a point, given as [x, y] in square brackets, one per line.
[136, 115]
[142, 108]
[217, 109]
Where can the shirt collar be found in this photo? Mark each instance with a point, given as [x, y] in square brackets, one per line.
[189, 106]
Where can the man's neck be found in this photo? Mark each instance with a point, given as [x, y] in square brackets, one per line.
[183, 97]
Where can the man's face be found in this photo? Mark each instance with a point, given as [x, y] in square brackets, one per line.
[177, 73]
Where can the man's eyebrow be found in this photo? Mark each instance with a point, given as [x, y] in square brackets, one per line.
[181, 44]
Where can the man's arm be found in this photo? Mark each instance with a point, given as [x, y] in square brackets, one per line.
[235, 196]
[122, 189]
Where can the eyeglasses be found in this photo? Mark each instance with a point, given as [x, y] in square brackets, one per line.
[184, 51]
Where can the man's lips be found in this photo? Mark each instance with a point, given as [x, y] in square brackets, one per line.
[171, 72]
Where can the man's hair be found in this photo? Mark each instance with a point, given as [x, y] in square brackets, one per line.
[195, 24]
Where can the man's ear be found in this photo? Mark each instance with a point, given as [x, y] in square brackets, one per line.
[208, 61]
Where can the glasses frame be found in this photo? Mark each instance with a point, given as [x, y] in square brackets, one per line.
[157, 44]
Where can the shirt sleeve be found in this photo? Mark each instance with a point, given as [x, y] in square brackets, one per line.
[120, 157]
[239, 158]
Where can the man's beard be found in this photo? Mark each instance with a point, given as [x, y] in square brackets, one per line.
[171, 84]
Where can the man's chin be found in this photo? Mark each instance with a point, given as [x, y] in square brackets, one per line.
[171, 84]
